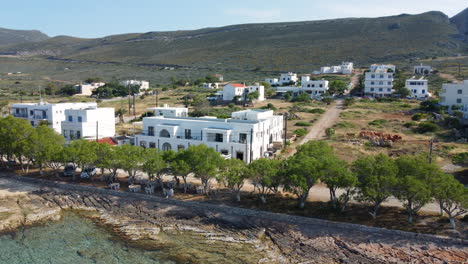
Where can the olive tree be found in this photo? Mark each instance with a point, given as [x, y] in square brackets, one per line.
[234, 175]
[264, 175]
[204, 163]
[452, 196]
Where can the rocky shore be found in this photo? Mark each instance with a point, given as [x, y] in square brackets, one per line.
[204, 233]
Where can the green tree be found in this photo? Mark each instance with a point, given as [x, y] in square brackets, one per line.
[51, 89]
[120, 114]
[81, 152]
[15, 136]
[154, 165]
[338, 176]
[337, 87]
[131, 160]
[180, 167]
[264, 175]
[452, 196]
[234, 175]
[349, 101]
[376, 179]
[109, 157]
[412, 188]
[204, 163]
[253, 96]
[45, 145]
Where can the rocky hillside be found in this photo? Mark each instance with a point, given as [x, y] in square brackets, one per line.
[9, 36]
[297, 46]
[461, 21]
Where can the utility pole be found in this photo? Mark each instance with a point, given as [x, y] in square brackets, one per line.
[251, 143]
[134, 112]
[97, 131]
[431, 148]
[285, 122]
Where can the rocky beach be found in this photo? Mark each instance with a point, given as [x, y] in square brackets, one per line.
[192, 232]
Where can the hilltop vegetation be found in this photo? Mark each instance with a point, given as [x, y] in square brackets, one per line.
[297, 46]
[10, 36]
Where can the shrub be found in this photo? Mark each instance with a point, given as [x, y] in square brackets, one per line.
[327, 100]
[303, 97]
[316, 111]
[300, 132]
[349, 101]
[303, 123]
[410, 124]
[344, 124]
[460, 159]
[330, 132]
[425, 127]
[418, 116]
[164, 98]
[269, 106]
[377, 122]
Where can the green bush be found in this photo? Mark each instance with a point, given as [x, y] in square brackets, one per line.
[460, 159]
[377, 122]
[344, 124]
[300, 132]
[418, 116]
[425, 127]
[330, 132]
[316, 111]
[410, 124]
[303, 123]
[349, 101]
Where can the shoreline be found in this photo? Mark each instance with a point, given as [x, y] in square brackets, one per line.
[278, 238]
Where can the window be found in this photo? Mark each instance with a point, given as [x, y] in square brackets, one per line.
[381, 76]
[166, 146]
[371, 89]
[389, 76]
[321, 85]
[373, 76]
[381, 83]
[143, 144]
[72, 134]
[150, 131]
[224, 152]
[188, 134]
[65, 134]
[372, 83]
[423, 91]
[218, 137]
[78, 134]
[242, 138]
[460, 91]
[80, 119]
[389, 89]
[180, 147]
[164, 133]
[459, 100]
[152, 145]
[31, 112]
[70, 118]
[380, 89]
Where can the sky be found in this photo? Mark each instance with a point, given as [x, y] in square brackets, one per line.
[98, 18]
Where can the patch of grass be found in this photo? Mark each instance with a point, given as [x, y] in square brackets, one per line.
[300, 132]
[303, 123]
[377, 122]
[344, 124]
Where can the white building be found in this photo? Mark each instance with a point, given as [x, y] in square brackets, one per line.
[233, 90]
[344, 68]
[53, 114]
[210, 85]
[88, 123]
[418, 87]
[422, 69]
[316, 88]
[219, 77]
[379, 80]
[144, 85]
[273, 81]
[87, 89]
[455, 94]
[287, 78]
[167, 111]
[247, 135]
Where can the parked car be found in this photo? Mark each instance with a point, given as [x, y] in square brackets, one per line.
[69, 170]
[88, 172]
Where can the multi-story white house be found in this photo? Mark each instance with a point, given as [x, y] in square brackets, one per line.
[247, 135]
[287, 78]
[422, 69]
[316, 88]
[88, 123]
[87, 89]
[418, 87]
[52, 114]
[240, 91]
[455, 94]
[344, 68]
[167, 111]
[272, 81]
[144, 85]
[379, 80]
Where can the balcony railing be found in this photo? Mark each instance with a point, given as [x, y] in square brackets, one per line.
[20, 115]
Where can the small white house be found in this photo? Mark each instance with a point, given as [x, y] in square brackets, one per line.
[86, 89]
[233, 90]
[52, 114]
[247, 135]
[455, 94]
[379, 80]
[418, 87]
[144, 85]
[344, 68]
[316, 88]
[88, 123]
[210, 85]
[219, 77]
[287, 78]
[273, 81]
[167, 111]
[422, 69]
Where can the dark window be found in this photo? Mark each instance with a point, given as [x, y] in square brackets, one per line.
[459, 100]
[240, 155]
[78, 134]
[225, 152]
[152, 145]
[219, 137]
[243, 138]
[70, 118]
[460, 91]
[188, 134]
[150, 131]
[80, 119]
[164, 133]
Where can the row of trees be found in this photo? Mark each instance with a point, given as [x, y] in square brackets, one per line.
[370, 179]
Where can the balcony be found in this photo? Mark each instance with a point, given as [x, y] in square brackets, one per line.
[20, 115]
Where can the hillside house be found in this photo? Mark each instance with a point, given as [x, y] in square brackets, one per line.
[167, 111]
[240, 91]
[43, 112]
[273, 81]
[247, 135]
[418, 87]
[455, 94]
[345, 68]
[288, 78]
[219, 77]
[210, 85]
[422, 69]
[379, 80]
[143, 85]
[86, 89]
[88, 123]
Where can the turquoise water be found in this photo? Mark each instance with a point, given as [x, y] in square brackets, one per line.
[73, 240]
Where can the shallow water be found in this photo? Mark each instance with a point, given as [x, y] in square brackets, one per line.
[72, 240]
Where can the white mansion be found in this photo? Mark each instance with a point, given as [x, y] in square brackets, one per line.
[247, 135]
[418, 87]
[455, 94]
[379, 80]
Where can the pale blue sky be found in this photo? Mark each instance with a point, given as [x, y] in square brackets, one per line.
[97, 18]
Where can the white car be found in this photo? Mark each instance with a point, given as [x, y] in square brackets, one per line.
[88, 172]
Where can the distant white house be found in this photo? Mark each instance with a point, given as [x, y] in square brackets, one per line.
[344, 68]
[88, 123]
[219, 77]
[314, 88]
[210, 85]
[86, 89]
[43, 112]
[379, 80]
[287, 78]
[455, 94]
[237, 90]
[273, 81]
[167, 111]
[418, 87]
[422, 69]
[247, 135]
[144, 85]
